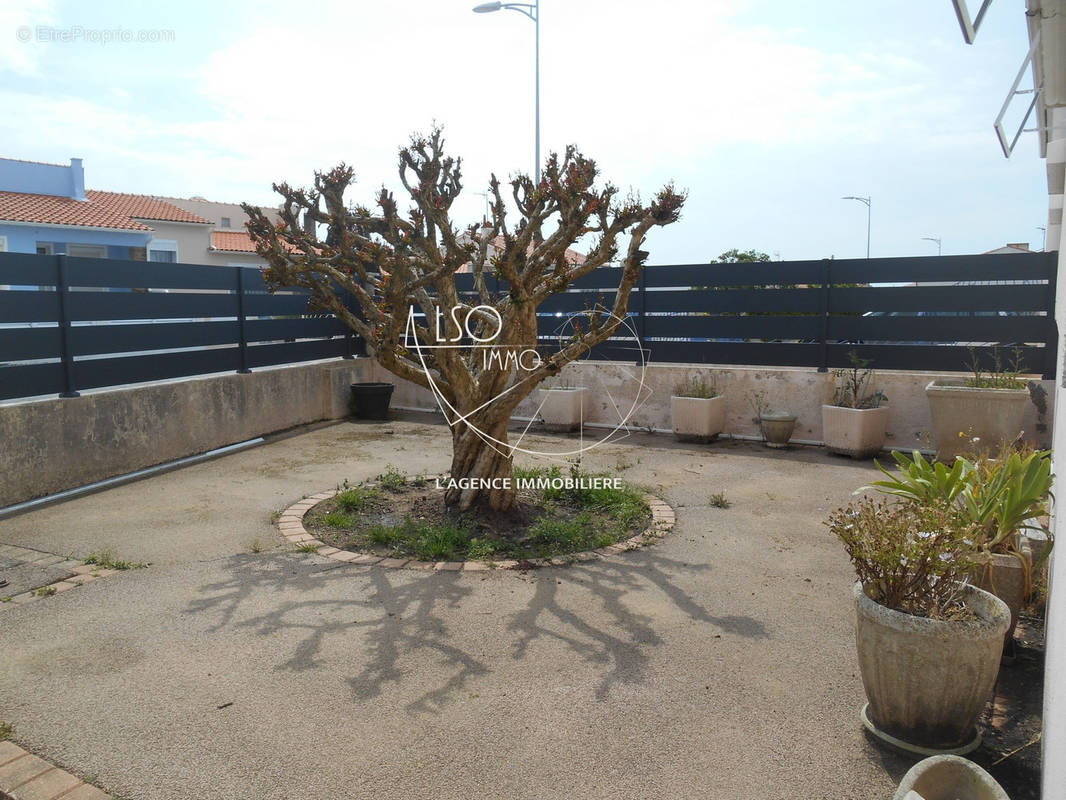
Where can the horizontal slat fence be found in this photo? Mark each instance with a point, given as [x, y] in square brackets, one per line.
[74, 323]
[68, 324]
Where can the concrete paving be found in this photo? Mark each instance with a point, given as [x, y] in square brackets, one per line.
[718, 663]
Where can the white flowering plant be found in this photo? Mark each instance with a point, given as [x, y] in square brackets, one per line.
[909, 557]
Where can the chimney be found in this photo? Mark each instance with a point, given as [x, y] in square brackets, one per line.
[77, 179]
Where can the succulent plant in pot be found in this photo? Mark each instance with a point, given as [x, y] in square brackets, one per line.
[1001, 495]
[854, 423]
[928, 642]
[698, 409]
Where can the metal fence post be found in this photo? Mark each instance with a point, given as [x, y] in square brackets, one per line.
[643, 312]
[823, 357]
[66, 344]
[242, 343]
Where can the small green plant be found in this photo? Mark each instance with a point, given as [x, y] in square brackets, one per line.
[308, 547]
[392, 479]
[921, 481]
[758, 403]
[854, 385]
[5, 599]
[256, 546]
[338, 519]
[440, 541]
[7, 730]
[718, 500]
[44, 591]
[908, 557]
[697, 386]
[1001, 376]
[106, 559]
[419, 481]
[357, 498]
[385, 534]
[274, 517]
[480, 550]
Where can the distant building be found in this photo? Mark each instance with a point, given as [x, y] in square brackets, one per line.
[1012, 247]
[45, 209]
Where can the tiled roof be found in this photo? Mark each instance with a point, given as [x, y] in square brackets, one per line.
[232, 241]
[48, 209]
[99, 210]
[142, 206]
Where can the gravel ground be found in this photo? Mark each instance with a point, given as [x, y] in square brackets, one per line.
[718, 663]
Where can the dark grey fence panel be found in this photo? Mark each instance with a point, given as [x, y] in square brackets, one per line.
[29, 344]
[146, 275]
[97, 339]
[27, 380]
[86, 306]
[92, 374]
[16, 306]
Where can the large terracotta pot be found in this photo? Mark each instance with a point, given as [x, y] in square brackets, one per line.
[563, 409]
[961, 413]
[855, 432]
[697, 419]
[928, 680]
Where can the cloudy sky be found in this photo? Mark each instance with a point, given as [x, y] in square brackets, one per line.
[767, 111]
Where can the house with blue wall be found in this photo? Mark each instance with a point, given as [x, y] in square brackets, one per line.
[45, 209]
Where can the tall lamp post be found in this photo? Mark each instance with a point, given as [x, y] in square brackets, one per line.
[932, 239]
[531, 10]
[869, 211]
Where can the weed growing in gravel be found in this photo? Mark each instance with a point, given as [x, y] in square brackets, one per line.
[307, 547]
[106, 559]
[392, 479]
[718, 500]
[7, 730]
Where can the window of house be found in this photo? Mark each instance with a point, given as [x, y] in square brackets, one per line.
[165, 250]
[87, 250]
[45, 249]
[225, 222]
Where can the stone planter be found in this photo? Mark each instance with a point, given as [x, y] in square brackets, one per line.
[1004, 576]
[697, 419]
[961, 413]
[855, 432]
[928, 680]
[563, 409]
[777, 428]
[948, 778]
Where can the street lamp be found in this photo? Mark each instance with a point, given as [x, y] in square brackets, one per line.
[869, 211]
[531, 10]
[933, 239]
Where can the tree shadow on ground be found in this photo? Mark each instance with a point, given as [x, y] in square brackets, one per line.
[402, 617]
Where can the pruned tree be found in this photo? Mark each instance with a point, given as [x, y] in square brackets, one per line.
[393, 263]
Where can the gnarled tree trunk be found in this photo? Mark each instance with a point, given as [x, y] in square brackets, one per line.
[484, 469]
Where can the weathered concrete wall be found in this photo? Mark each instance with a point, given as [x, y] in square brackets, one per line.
[802, 391]
[51, 445]
[48, 446]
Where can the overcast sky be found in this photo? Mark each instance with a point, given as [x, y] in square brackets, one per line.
[766, 111]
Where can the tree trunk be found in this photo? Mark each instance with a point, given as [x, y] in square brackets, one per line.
[485, 464]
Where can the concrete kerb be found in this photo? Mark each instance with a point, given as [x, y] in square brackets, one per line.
[290, 525]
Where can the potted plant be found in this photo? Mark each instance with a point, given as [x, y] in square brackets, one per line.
[697, 409]
[985, 408]
[1002, 496]
[854, 423]
[776, 426]
[371, 400]
[563, 407]
[928, 643]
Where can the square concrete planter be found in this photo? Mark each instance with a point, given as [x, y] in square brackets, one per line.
[563, 409]
[961, 413]
[697, 419]
[855, 432]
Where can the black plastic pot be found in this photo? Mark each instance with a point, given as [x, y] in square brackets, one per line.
[371, 400]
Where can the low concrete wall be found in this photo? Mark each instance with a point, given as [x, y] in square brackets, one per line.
[613, 388]
[47, 446]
